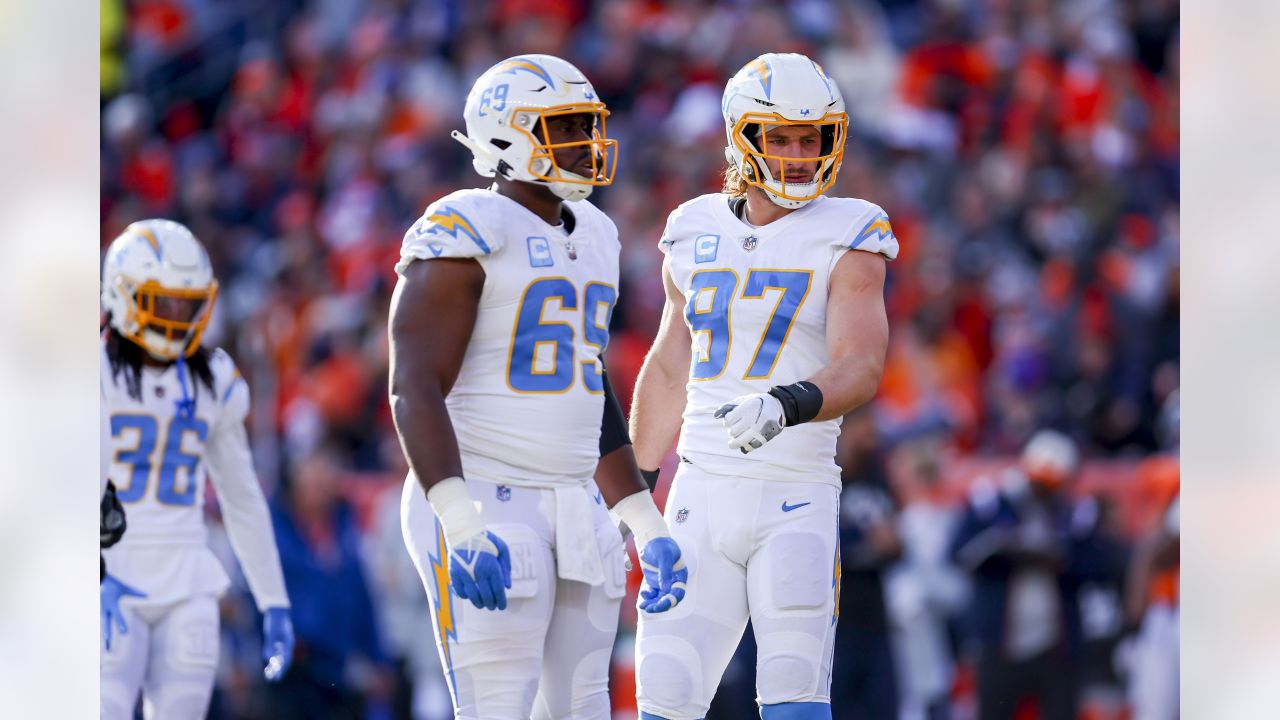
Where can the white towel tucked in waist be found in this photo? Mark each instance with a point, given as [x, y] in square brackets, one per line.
[577, 548]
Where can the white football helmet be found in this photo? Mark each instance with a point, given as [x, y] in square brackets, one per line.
[158, 286]
[783, 89]
[506, 116]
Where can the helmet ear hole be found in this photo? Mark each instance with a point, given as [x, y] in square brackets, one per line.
[500, 144]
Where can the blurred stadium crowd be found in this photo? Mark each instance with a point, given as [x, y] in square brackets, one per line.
[1025, 150]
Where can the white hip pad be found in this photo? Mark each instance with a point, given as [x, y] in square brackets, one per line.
[522, 542]
[799, 570]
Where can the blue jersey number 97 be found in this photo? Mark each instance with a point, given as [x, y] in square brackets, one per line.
[168, 489]
[710, 317]
[536, 340]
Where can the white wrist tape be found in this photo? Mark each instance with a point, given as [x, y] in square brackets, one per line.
[456, 510]
[642, 516]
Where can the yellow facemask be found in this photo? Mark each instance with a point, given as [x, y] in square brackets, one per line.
[603, 150]
[755, 170]
[175, 336]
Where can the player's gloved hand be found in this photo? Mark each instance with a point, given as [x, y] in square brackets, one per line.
[277, 643]
[479, 561]
[665, 575]
[481, 570]
[752, 420]
[109, 594]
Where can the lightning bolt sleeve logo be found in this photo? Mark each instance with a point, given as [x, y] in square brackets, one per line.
[449, 221]
[878, 227]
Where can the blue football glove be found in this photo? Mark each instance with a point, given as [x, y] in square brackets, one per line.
[109, 594]
[481, 570]
[665, 575]
[277, 643]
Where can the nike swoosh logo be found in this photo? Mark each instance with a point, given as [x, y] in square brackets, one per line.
[598, 498]
[789, 508]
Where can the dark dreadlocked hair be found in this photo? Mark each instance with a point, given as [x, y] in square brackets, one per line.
[125, 358]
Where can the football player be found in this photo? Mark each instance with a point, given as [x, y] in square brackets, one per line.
[498, 324]
[774, 328]
[176, 415]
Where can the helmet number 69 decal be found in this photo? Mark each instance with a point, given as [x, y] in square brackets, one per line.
[494, 98]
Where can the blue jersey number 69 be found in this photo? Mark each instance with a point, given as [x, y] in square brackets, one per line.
[535, 340]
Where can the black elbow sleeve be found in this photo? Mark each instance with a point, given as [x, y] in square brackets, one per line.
[613, 426]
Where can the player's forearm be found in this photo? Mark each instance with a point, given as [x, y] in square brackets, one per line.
[254, 543]
[246, 516]
[618, 476]
[857, 335]
[847, 385]
[616, 473]
[426, 433]
[656, 409]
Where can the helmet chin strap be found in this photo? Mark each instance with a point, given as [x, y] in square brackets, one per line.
[771, 192]
[564, 190]
[570, 191]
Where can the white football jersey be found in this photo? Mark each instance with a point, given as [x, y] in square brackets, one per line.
[159, 459]
[756, 306]
[527, 404]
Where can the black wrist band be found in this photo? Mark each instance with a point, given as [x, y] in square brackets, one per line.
[801, 401]
[650, 478]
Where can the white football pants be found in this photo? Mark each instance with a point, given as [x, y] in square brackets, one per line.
[755, 549]
[170, 653]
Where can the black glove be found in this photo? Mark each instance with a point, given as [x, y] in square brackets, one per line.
[111, 522]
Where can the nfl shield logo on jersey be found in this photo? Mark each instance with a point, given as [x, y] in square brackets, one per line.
[682, 515]
[749, 243]
[504, 493]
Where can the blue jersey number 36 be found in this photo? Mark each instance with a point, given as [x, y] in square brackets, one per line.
[172, 458]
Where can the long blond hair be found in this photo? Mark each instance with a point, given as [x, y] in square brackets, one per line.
[734, 184]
